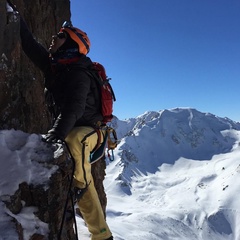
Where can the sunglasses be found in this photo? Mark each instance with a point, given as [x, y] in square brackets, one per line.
[61, 35]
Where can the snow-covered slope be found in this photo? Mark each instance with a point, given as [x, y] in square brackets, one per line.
[176, 175]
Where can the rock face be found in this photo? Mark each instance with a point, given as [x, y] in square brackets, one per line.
[34, 186]
[49, 201]
[22, 103]
[21, 94]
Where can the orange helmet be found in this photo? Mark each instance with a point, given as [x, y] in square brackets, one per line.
[77, 36]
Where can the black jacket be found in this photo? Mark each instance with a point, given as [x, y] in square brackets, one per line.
[75, 93]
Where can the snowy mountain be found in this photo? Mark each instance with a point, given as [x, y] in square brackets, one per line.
[155, 138]
[176, 175]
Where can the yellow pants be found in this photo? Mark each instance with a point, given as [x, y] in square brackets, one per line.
[81, 141]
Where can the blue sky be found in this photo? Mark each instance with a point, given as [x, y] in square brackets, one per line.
[163, 54]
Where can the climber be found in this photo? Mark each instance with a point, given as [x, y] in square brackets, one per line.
[76, 108]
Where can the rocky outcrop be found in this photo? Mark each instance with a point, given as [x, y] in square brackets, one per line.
[36, 191]
[22, 103]
[98, 172]
[21, 93]
[49, 201]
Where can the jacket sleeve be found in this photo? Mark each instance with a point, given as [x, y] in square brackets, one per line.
[35, 51]
[77, 94]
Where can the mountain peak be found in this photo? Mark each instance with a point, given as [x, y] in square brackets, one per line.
[155, 138]
[176, 168]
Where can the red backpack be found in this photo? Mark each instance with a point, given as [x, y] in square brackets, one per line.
[107, 98]
[106, 91]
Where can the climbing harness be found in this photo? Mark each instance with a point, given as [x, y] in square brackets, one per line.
[74, 194]
[109, 141]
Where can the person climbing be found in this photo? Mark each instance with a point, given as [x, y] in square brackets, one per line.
[76, 107]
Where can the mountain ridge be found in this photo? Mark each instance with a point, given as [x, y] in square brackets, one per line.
[176, 133]
[176, 176]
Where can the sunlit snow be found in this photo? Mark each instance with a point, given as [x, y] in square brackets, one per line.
[176, 176]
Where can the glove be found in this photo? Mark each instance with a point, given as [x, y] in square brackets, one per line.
[52, 138]
[11, 7]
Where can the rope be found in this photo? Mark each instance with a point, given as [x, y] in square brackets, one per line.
[69, 194]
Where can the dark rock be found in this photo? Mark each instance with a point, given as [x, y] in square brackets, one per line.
[49, 200]
[14, 204]
[22, 102]
[38, 237]
[98, 172]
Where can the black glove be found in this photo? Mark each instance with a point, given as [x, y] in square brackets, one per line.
[12, 5]
[52, 138]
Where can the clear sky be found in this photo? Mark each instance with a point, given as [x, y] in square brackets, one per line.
[163, 54]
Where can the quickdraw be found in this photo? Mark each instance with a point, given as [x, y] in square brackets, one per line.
[112, 142]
